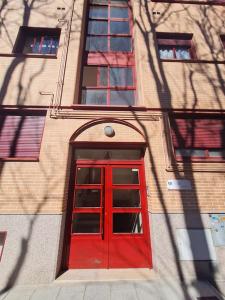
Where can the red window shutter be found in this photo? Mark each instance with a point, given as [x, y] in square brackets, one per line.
[198, 133]
[20, 134]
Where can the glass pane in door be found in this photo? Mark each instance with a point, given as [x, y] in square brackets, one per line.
[87, 198]
[88, 175]
[126, 198]
[86, 223]
[127, 223]
[125, 176]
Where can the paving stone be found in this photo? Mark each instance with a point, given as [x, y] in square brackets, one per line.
[71, 292]
[45, 293]
[146, 291]
[19, 293]
[98, 291]
[123, 291]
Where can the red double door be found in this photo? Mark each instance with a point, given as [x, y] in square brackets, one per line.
[109, 227]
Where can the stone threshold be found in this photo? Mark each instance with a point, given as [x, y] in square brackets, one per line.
[98, 275]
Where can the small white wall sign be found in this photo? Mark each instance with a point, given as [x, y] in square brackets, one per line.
[179, 184]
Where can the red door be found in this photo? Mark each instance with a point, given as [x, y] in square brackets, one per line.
[109, 219]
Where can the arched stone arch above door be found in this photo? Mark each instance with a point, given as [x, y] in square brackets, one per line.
[94, 132]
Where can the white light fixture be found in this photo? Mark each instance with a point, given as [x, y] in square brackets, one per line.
[109, 131]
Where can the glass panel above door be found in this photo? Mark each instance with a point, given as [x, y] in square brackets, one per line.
[125, 176]
[88, 176]
[109, 154]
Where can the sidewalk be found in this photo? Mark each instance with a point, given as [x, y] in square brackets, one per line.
[116, 290]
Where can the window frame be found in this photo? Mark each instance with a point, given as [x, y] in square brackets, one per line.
[185, 159]
[109, 19]
[26, 32]
[173, 40]
[23, 112]
[108, 87]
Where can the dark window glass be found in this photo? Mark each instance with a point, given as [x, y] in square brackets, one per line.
[182, 52]
[125, 176]
[118, 1]
[37, 44]
[103, 76]
[97, 27]
[174, 52]
[190, 152]
[217, 153]
[122, 98]
[127, 223]
[88, 176]
[121, 77]
[119, 12]
[90, 76]
[95, 97]
[96, 44]
[99, 1]
[86, 223]
[120, 44]
[166, 52]
[96, 12]
[126, 198]
[119, 27]
[87, 198]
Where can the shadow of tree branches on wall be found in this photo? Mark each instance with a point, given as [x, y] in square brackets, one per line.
[147, 26]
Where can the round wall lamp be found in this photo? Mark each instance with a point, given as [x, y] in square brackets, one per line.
[109, 131]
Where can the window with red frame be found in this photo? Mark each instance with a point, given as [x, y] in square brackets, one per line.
[32, 40]
[175, 46]
[21, 134]
[198, 137]
[108, 72]
[108, 85]
[109, 27]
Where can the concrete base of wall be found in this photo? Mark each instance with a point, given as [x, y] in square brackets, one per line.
[33, 248]
[31, 251]
[165, 248]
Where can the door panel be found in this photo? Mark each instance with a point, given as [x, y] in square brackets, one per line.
[109, 220]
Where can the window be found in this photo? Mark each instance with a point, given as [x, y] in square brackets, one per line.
[109, 27]
[108, 72]
[32, 40]
[108, 85]
[21, 134]
[198, 137]
[175, 46]
[2, 242]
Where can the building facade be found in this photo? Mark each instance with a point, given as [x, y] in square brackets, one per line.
[112, 138]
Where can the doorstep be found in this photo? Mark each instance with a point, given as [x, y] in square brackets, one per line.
[95, 275]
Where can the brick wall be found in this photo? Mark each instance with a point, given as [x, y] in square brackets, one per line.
[42, 187]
